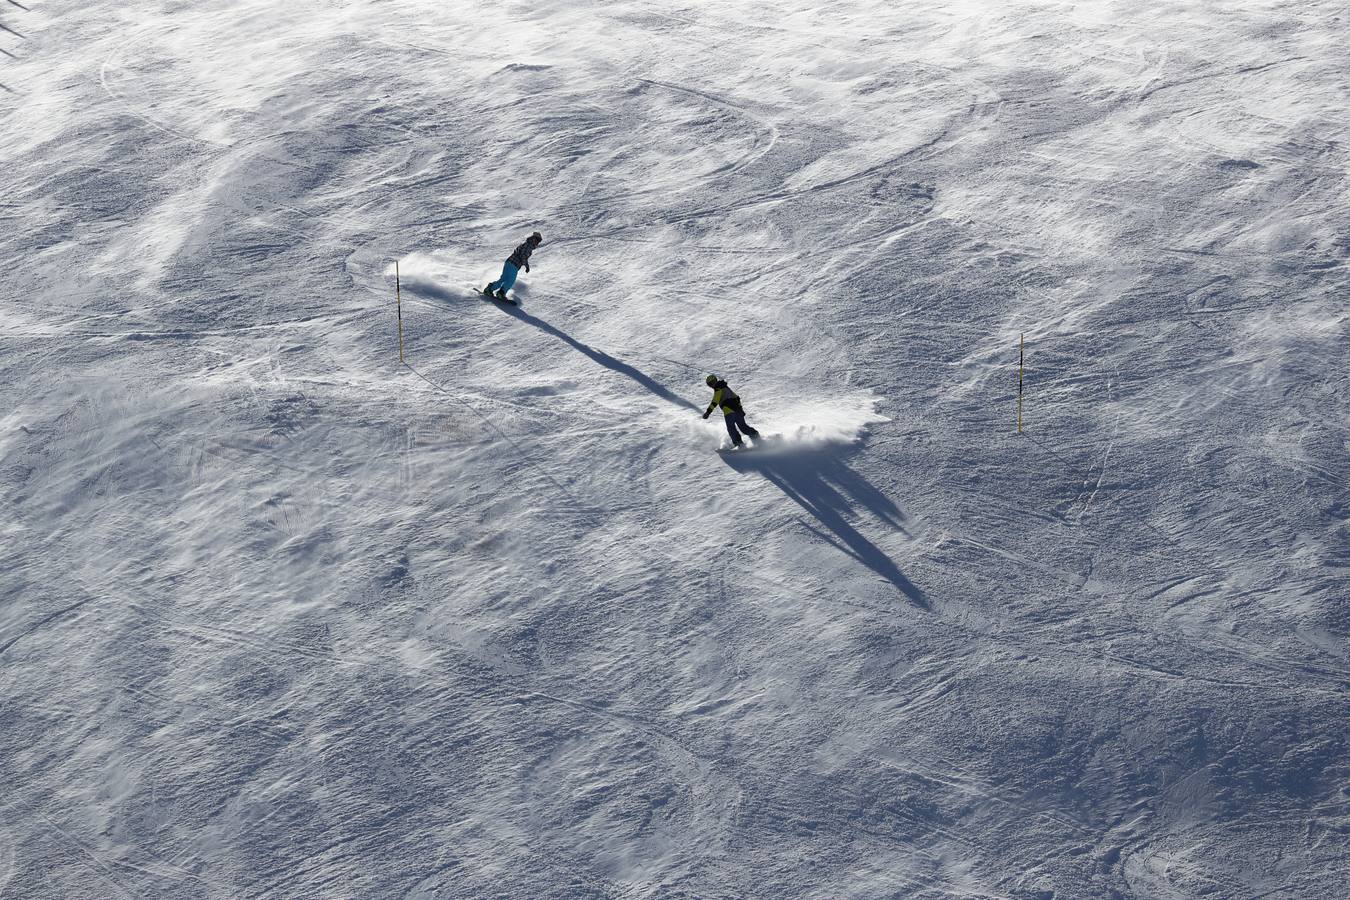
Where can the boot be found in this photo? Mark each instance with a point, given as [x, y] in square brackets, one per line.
[501, 294]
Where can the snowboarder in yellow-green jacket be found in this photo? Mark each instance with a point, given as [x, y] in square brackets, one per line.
[732, 410]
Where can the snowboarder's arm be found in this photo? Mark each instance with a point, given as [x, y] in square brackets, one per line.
[717, 396]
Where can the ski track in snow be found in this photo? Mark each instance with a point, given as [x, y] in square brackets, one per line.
[283, 616]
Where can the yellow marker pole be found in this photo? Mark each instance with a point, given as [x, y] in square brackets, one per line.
[1021, 343]
[398, 298]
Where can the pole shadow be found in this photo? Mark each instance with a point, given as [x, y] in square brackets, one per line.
[820, 482]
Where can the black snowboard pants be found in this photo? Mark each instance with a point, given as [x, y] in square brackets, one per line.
[737, 420]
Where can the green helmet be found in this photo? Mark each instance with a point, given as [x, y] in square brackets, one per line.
[711, 380]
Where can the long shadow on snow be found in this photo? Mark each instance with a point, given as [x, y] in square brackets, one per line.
[822, 484]
[600, 357]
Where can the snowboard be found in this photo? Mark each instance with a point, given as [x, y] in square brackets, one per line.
[491, 296]
[759, 443]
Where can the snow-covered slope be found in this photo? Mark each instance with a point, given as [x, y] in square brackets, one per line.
[280, 616]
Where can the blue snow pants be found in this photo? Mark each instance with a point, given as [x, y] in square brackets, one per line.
[509, 272]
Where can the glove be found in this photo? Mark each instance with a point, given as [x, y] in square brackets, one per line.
[527, 267]
[706, 414]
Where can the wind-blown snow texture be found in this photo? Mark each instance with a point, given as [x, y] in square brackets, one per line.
[282, 617]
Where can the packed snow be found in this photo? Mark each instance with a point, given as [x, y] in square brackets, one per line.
[283, 616]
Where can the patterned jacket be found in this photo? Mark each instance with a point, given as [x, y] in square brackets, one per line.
[521, 257]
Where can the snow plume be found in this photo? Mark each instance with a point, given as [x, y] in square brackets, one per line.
[793, 425]
[435, 274]
[819, 422]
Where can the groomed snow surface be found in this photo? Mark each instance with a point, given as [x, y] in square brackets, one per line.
[281, 617]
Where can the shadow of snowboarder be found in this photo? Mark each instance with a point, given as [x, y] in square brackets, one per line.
[820, 482]
[438, 292]
[599, 356]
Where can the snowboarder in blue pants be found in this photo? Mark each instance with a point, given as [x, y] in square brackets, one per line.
[732, 410]
[517, 260]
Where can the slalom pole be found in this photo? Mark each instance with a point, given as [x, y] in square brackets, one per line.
[1021, 343]
[398, 298]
